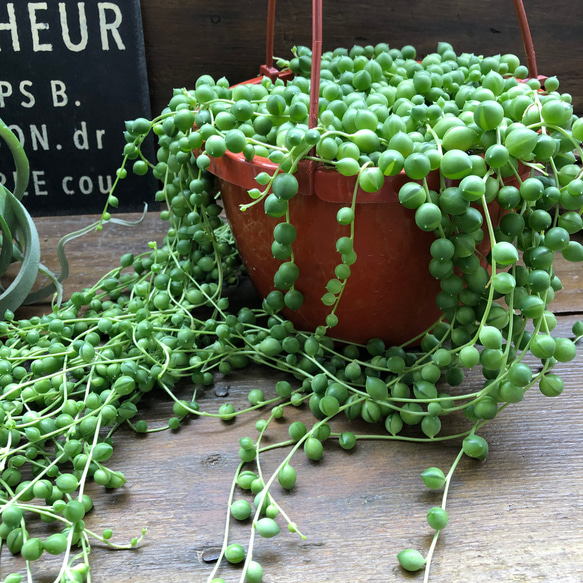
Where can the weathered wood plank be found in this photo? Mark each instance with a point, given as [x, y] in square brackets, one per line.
[107, 246]
[514, 517]
[185, 40]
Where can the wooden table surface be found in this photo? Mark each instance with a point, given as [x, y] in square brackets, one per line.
[515, 517]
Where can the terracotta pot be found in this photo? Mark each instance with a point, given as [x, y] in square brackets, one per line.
[390, 293]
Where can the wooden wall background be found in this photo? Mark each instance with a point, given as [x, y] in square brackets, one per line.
[187, 38]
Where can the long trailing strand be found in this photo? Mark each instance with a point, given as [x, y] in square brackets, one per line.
[70, 378]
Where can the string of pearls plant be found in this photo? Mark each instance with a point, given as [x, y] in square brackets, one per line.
[70, 378]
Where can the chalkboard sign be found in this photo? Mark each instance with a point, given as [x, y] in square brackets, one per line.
[71, 73]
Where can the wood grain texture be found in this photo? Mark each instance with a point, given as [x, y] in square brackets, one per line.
[515, 517]
[104, 248]
[187, 39]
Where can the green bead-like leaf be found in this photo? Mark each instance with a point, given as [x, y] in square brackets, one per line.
[411, 560]
[267, 527]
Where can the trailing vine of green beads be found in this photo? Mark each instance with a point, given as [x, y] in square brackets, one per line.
[70, 378]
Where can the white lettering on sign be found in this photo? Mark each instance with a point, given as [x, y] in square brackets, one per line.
[11, 26]
[59, 93]
[39, 136]
[18, 133]
[109, 16]
[81, 138]
[55, 53]
[82, 44]
[58, 90]
[35, 27]
[27, 94]
[66, 188]
[38, 182]
[85, 184]
[5, 91]
[99, 138]
[112, 27]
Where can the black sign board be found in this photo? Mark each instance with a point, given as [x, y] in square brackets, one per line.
[71, 73]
